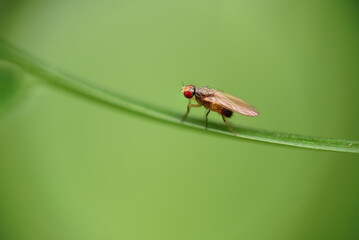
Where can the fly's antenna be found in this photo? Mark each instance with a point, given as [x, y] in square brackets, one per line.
[182, 87]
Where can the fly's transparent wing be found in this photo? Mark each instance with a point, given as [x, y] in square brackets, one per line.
[235, 104]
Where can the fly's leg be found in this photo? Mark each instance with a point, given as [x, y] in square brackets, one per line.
[188, 108]
[224, 119]
[207, 118]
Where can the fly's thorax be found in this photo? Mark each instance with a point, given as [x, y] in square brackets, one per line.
[203, 92]
[204, 96]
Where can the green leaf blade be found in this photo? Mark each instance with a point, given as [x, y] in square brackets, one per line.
[146, 109]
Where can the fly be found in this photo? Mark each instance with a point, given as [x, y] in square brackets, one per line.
[217, 101]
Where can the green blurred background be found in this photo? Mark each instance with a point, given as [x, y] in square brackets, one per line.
[74, 169]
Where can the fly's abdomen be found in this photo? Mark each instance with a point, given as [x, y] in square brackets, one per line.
[227, 113]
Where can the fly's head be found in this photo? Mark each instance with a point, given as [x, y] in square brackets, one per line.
[188, 91]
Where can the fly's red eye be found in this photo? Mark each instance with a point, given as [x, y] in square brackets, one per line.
[188, 94]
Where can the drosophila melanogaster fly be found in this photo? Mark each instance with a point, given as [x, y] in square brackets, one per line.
[217, 101]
